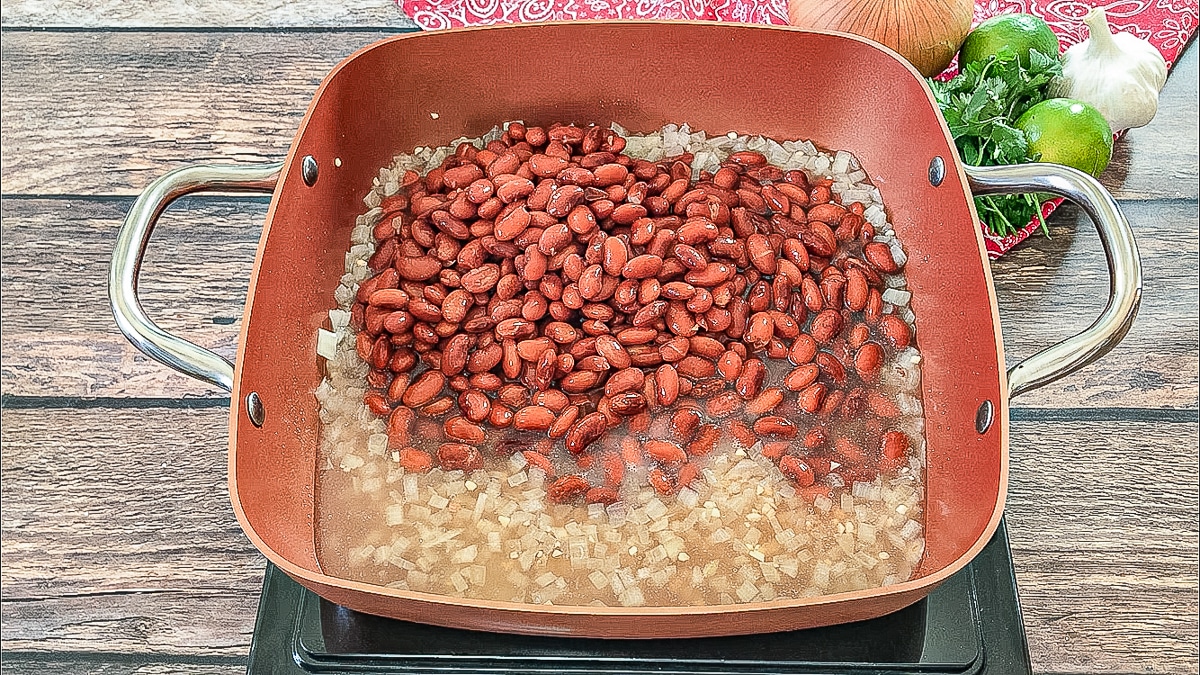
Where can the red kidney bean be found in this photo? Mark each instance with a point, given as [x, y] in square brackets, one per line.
[750, 380]
[798, 470]
[764, 402]
[812, 397]
[567, 489]
[802, 376]
[667, 384]
[895, 331]
[533, 418]
[459, 456]
[730, 365]
[584, 432]
[723, 404]
[684, 422]
[867, 361]
[894, 445]
[742, 433]
[695, 367]
[880, 255]
[627, 379]
[775, 425]
[583, 289]
[674, 349]
[665, 453]
[564, 421]
[705, 440]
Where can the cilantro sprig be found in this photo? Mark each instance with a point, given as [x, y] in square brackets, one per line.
[980, 105]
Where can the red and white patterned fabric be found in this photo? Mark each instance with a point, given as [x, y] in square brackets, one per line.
[1167, 24]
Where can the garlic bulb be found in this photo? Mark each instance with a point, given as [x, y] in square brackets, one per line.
[1119, 74]
[927, 33]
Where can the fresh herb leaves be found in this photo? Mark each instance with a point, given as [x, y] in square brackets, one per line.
[980, 105]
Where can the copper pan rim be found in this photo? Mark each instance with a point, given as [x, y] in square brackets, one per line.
[870, 102]
[920, 585]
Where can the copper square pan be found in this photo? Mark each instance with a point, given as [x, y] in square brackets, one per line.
[838, 90]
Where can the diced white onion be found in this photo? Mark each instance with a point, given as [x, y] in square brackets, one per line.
[897, 297]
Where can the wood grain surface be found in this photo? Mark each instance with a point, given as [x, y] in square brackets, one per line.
[96, 561]
[23, 663]
[207, 14]
[120, 550]
[105, 113]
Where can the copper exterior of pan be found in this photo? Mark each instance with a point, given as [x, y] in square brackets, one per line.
[427, 89]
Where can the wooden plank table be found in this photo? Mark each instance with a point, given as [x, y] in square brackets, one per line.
[120, 549]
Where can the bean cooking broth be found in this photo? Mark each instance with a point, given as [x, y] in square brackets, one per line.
[578, 366]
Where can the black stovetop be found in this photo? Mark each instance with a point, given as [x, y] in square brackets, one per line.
[971, 624]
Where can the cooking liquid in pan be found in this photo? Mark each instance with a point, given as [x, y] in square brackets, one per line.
[723, 525]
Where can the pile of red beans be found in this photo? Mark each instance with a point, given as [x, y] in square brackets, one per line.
[551, 284]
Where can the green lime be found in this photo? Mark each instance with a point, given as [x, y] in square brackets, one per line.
[1070, 132]
[1013, 33]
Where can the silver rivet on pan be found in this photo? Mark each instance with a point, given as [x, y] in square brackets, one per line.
[937, 171]
[309, 170]
[984, 416]
[254, 409]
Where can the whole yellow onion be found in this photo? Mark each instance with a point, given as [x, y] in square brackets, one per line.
[928, 33]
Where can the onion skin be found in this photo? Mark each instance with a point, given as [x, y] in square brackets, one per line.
[926, 33]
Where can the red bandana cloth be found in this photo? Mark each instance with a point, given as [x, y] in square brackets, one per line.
[1167, 24]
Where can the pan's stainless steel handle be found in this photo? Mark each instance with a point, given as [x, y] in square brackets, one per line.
[1124, 266]
[184, 356]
